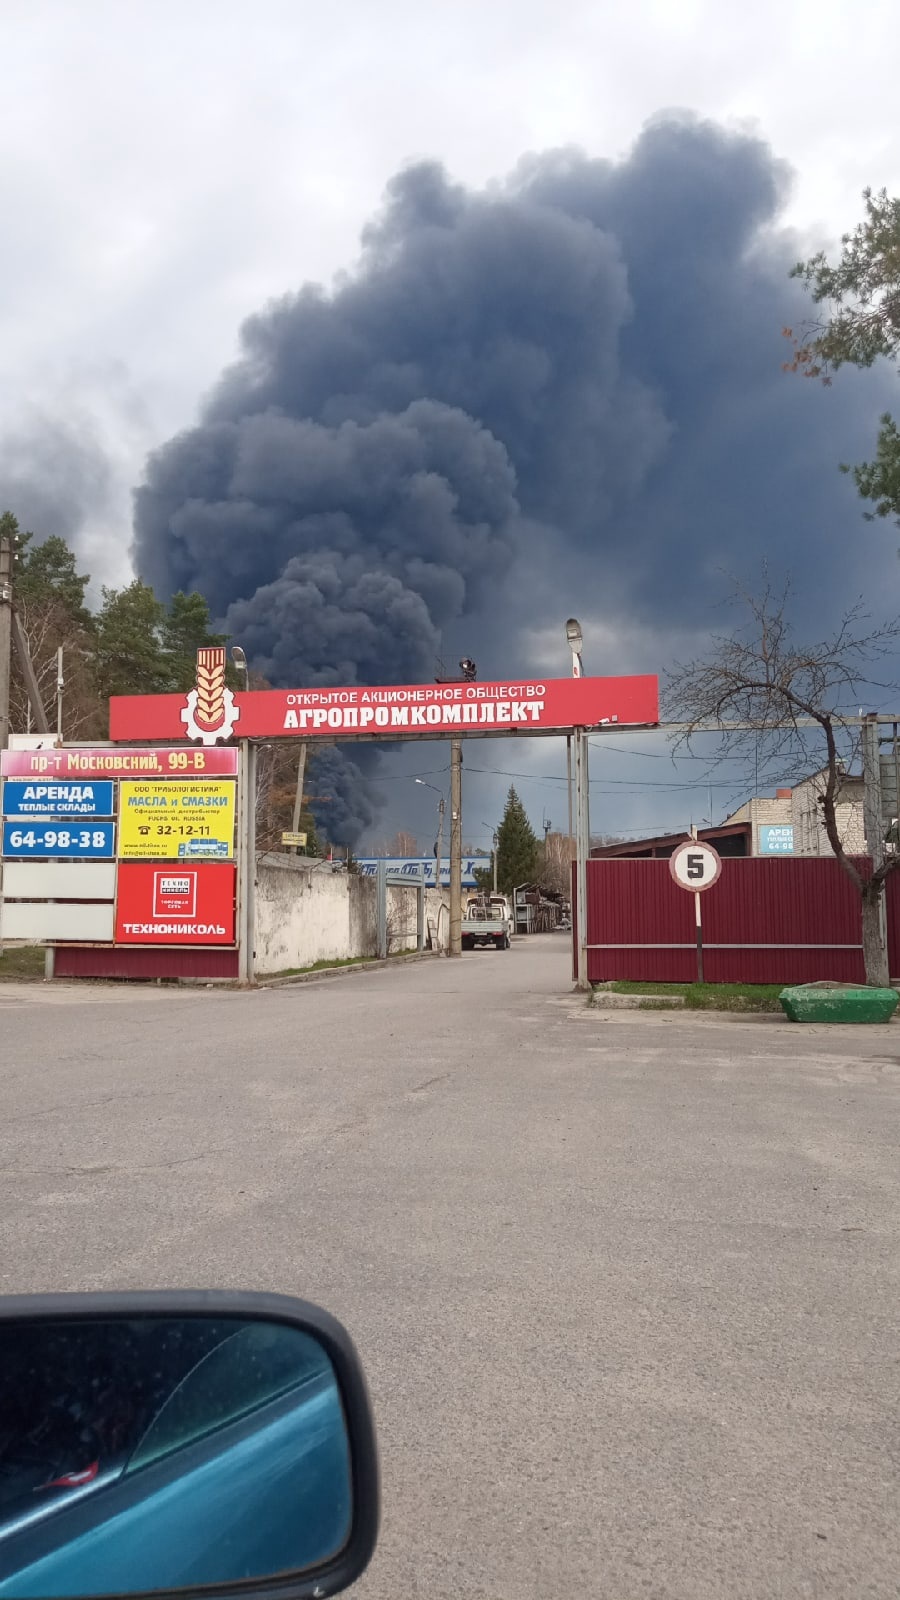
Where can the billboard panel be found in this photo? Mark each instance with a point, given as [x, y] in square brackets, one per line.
[59, 880]
[187, 820]
[102, 761]
[175, 905]
[23, 797]
[46, 921]
[63, 838]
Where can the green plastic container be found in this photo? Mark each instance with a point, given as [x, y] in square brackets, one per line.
[836, 1002]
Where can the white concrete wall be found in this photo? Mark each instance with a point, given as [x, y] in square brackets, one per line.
[307, 913]
[437, 918]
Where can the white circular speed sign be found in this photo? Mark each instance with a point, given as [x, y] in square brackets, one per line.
[695, 865]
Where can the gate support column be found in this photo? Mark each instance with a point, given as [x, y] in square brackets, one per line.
[582, 852]
[246, 862]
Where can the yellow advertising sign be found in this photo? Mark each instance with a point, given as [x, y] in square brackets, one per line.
[177, 820]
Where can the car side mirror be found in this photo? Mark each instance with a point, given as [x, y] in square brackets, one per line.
[181, 1442]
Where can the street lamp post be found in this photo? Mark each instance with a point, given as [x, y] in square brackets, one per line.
[575, 641]
[240, 661]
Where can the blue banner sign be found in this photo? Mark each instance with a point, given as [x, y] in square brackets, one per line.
[59, 839]
[27, 797]
[776, 840]
[408, 866]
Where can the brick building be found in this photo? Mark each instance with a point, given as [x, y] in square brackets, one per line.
[788, 823]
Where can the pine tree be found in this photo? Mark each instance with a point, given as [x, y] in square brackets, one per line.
[48, 573]
[129, 654]
[185, 630]
[518, 851]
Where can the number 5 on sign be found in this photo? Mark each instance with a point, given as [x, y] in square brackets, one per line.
[696, 866]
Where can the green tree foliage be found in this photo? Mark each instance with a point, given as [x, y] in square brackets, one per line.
[518, 852]
[50, 603]
[48, 573]
[129, 658]
[143, 647]
[132, 645]
[862, 290]
[185, 630]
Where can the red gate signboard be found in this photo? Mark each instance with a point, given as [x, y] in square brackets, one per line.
[175, 903]
[402, 711]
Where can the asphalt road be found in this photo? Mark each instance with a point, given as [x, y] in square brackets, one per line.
[626, 1287]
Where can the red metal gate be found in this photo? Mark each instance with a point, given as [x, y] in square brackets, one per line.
[765, 921]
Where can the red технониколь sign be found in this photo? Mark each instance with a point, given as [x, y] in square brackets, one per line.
[174, 903]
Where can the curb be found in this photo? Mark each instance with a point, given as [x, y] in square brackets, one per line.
[374, 965]
[637, 1002]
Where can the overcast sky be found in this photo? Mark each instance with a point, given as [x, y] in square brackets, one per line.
[168, 167]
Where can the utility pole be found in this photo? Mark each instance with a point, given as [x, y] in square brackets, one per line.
[873, 818]
[439, 857]
[6, 565]
[494, 853]
[298, 797]
[872, 807]
[469, 672]
[575, 642]
[455, 847]
[60, 685]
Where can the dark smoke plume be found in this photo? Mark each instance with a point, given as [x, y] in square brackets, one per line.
[566, 388]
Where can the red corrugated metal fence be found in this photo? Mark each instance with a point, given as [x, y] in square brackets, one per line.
[765, 921]
[124, 961]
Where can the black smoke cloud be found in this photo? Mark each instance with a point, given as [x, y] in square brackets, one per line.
[563, 392]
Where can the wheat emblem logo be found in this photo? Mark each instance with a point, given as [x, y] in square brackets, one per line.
[210, 711]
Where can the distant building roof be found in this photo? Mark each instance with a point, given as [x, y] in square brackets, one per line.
[730, 839]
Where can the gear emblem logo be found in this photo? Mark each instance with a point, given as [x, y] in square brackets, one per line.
[210, 711]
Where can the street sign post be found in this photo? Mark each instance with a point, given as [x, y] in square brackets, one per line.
[695, 866]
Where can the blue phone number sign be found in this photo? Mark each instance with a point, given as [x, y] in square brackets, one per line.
[59, 838]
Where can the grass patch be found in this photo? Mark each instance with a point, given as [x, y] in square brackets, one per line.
[20, 962]
[710, 996]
